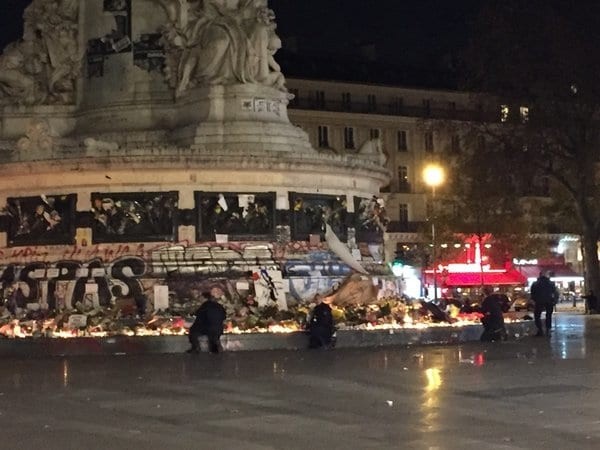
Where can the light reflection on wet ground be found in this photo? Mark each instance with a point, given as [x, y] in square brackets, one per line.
[530, 393]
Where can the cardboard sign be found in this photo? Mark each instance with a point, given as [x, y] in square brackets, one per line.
[77, 321]
[242, 285]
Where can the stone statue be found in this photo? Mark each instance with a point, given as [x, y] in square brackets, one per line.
[43, 66]
[17, 82]
[374, 148]
[265, 43]
[38, 137]
[210, 42]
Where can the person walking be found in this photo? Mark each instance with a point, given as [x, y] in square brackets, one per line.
[544, 294]
[209, 322]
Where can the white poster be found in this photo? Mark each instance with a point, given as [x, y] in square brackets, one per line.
[221, 238]
[270, 286]
[161, 297]
[91, 300]
[242, 286]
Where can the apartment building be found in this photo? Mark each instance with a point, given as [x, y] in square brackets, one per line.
[340, 117]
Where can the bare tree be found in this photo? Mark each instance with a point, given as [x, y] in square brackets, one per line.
[537, 66]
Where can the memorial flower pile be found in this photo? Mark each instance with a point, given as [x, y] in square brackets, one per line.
[244, 315]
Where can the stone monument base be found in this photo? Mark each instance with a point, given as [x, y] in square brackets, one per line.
[137, 345]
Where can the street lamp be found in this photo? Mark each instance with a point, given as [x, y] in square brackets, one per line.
[433, 176]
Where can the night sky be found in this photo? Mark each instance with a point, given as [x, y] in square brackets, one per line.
[421, 35]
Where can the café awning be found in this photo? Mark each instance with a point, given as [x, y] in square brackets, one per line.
[555, 271]
[510, 277]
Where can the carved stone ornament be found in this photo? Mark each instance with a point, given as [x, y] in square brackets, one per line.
[220, 42]
[37, 138]
[374, 147]
[43, 66]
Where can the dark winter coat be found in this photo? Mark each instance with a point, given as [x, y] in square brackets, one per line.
[543, 291]
[322, 317]
[209, 318]
[491, 308]
[321, 326]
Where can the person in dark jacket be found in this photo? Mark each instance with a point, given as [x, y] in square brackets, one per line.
[545, 295]
[320, 325]
[209, 322]
[493, 320]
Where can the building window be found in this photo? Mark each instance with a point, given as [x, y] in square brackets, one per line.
[348, 137]
[429, 141]
[346, 101]
[397, 105]
[374, 133]
[372, 102]
[295, 101]
[524, 114]
[323, 136]
[320, 99]
[403, 184]
[403, 213]
[401, 140]
[427, 107]
[504, 112]
[455, 144]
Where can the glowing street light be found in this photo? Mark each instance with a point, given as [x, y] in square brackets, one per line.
[433, 176]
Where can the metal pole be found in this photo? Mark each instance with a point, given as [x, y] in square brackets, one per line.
[433, 243]
[433, 261]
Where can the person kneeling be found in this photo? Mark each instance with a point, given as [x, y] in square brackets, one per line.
[320, 325]
[209, 323]
[492, 320]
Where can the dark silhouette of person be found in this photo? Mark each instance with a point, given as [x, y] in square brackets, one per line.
[493, 320]
[591, 302]
[209, 323]
[320, 325]
[544, 294]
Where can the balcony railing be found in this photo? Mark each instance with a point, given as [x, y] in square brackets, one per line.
[405, 227]
[404, 188]
[392, 109]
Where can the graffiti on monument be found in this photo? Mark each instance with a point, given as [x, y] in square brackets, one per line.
[310, 212]
[44, 219]
[330, 267]
[305, 288]
[116, 40]
[240, 216]
[371, 219]
[63, 284]
[148, 53]
[134, 216]
[186, 289]
[270, 287]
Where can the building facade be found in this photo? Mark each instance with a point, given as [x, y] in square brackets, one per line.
[341, 117]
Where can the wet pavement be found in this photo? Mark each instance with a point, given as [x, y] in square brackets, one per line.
[526, 394]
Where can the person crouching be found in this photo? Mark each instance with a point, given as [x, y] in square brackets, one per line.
[492, 320]
[320, 325]
[209, 322]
